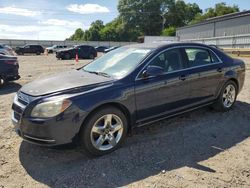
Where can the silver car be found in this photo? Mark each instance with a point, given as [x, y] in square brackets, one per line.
[6, 50]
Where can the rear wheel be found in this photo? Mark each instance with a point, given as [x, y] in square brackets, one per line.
[104, 131]
[1, 81]
[227, 97]
[38, 53]
[91, 56]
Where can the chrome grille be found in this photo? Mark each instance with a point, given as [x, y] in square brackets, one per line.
[20, 103]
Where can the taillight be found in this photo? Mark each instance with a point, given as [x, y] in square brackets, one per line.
[9, 62]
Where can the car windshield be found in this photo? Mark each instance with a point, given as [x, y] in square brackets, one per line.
[117, 63]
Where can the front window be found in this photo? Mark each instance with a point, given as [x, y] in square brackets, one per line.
[118, 63]
[169, 61]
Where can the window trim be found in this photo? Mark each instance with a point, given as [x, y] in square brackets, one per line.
[188, 68]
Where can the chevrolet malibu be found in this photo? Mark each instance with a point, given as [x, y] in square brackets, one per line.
[98, 104]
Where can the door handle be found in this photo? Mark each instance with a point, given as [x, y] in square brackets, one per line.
[183, 77]
[219, 70]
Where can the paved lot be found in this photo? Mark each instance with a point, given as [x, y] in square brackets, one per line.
[203, 148]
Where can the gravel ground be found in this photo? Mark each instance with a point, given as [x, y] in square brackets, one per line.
[203, 148]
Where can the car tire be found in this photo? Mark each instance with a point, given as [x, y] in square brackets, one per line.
[38, 53]
[227, 97]
[2, 82]
[91, 56]
[104, 131]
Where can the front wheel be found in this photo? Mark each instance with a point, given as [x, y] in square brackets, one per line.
[227, 97]
[104, 131]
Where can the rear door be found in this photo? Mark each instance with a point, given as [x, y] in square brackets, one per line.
[205, 73]
[162, 94]
[83, 51]
[33, 49]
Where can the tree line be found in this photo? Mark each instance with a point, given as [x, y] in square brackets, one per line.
[149, 17]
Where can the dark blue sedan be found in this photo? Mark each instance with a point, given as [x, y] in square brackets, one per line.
[131, 86]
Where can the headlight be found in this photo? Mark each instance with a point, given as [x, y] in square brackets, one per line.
[50, 108]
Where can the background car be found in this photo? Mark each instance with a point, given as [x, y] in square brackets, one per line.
[101, 48]
[6, 50]
[8, 69]
[55, 48]
[29, 49]
[110, 49]
[83, 51]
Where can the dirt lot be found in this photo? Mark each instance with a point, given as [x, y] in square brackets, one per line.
[203, 148]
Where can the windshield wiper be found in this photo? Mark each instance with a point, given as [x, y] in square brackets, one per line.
[99, 73]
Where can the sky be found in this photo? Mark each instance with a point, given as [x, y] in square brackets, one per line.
[58, 19]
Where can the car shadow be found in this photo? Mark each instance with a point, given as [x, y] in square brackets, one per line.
[9, 87]
[171, 144]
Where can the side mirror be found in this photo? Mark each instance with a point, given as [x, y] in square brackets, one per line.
[152, 71]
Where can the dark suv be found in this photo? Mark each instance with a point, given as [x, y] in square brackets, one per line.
[83, 51]
[29, 49]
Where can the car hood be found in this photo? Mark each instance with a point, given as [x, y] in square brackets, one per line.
[63, 81]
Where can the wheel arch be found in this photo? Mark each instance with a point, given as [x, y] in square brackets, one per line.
[232, 76]
[236, 82]
[117, 105]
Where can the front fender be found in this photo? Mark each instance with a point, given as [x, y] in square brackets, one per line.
[122, 95]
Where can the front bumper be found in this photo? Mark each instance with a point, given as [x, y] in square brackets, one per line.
[62, 129]
[45, 132]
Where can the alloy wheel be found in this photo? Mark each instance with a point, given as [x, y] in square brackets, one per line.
[229, 95]
[107, 132]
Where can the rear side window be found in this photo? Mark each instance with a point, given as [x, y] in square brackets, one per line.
[214, 58]
[199, 57]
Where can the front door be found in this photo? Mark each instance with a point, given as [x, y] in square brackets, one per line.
[163, 94]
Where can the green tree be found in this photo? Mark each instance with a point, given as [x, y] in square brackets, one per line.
[170, 31]
[116, 31]
[178, 13]
[220, 9]
[143, 16]
[149, 17]
[94, 30]
[78, 35]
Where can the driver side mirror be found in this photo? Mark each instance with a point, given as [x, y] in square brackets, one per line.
[152, 71]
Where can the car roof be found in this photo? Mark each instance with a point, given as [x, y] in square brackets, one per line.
[165, 44]
[32, 45]
[83, 45]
